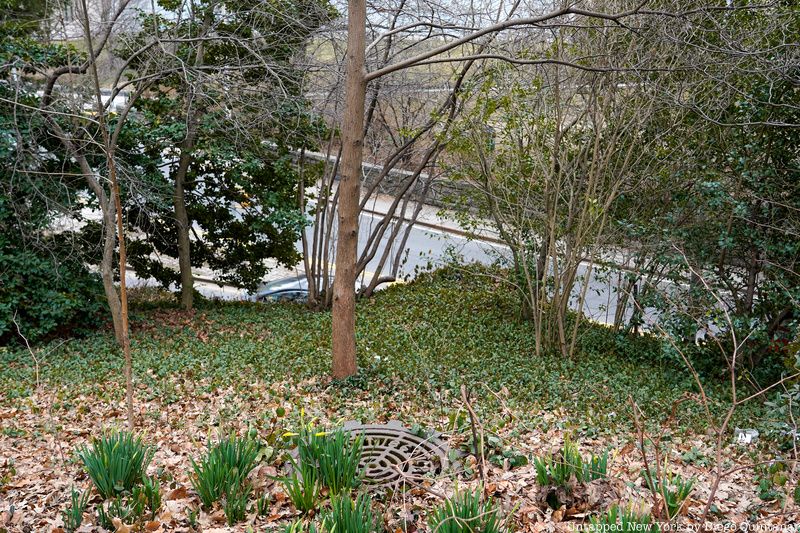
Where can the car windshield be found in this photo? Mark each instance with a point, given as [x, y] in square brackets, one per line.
[296, 283]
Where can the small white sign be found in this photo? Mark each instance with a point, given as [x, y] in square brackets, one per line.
[745, 436]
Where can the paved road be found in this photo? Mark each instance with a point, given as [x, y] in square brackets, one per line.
[427, 248]
[430, 248]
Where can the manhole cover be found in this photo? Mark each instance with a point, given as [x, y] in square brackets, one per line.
[393, 455]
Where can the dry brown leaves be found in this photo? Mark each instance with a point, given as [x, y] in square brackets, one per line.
[38, 466]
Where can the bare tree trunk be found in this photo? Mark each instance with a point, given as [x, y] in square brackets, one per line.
[183, 225]
[123, 294]
[344, 303]
[107, 273]
[109, 244]
[182, 221]
[120, 227]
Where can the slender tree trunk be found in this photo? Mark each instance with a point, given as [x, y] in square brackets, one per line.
[109, 231]
[752, 281]
[109, 220]
[344, 304]
[182, 224]
[123, 294]
[107, 272]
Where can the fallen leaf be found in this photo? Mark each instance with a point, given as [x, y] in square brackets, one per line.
[119, 526]
[178, 493]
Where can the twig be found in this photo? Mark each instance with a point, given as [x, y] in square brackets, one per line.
[474, 424]
[50, 420]
[30, 350]
[410, 479]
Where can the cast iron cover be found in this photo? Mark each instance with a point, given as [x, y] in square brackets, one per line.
[393, 455]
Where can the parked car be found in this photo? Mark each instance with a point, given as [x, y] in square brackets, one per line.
[294, 289]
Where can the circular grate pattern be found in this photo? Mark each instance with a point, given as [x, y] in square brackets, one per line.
[393, 455]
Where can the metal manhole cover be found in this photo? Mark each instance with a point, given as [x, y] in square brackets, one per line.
[392, 454]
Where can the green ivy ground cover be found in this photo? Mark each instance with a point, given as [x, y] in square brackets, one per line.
[417, 344]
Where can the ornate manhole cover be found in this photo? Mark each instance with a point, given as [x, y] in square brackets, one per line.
[393, 455]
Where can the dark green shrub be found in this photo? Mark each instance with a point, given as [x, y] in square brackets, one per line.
[72, 516]
[44, 284]
[625, 520]
[465, 512]
[350, 516]
[116, 463]
[44, 297]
